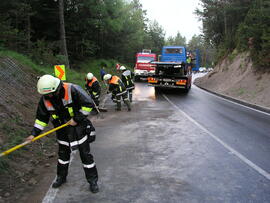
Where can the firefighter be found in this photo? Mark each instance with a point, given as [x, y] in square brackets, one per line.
[126, 77]
[118, 89]
[189, 64]
[93, 87]
[117, 66]
[102, 73]
[67, 102]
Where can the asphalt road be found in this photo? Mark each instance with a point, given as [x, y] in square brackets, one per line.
[176, 147]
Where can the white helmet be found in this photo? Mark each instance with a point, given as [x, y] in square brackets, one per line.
[122, 68]
[47, 84]
[107, 77]
[89, 76]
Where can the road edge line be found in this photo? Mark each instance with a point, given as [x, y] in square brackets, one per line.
[230, 149]
[240, 102]
[52, 192]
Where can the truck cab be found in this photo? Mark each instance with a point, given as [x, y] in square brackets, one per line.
[143, 67]
[173, 54]
[171, 70]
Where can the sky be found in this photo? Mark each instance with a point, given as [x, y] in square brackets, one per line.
[174, 16]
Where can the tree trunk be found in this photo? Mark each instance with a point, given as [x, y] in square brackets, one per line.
[63, 44]
[28, 33]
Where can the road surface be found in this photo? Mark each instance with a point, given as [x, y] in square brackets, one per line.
[175, 147]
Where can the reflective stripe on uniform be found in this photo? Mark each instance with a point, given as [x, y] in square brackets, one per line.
[55, 116]
[40, 125]
[70, 110]
[78, 142]
[89, 165]
[130, 88]
[63, 142]
[85, 110]
[121, 93]
[93, 133]
[63, 162]
[127, 80]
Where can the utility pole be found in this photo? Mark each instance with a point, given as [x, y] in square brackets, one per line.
[63, 43]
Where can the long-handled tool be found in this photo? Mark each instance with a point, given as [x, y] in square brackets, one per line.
[99, 114]
[34, 139]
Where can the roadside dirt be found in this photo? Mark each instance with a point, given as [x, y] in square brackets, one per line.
[27, 173]
[22, 170]
[237, 78]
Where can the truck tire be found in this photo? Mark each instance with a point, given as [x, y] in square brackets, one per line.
[136, 78]
[186, 90]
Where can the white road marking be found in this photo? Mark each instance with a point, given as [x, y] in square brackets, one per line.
[212, 94]
[52, 192]
[236, 153]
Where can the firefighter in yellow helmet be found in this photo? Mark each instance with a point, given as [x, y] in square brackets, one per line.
[118, 90]
[63, 102]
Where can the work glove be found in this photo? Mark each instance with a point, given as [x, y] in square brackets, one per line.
[72, 122]
[29, 138]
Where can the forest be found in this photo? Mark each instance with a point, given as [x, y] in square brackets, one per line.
[72, 31]
[232, 26]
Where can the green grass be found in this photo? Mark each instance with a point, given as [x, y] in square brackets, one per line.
[24, 60]
[74, 75]
[240, 91]
[4, 166]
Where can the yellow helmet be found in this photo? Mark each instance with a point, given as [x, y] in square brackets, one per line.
[47, 84]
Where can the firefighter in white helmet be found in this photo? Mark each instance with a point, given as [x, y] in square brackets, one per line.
[126, 77]
[65, 102]
[118, 89]
[93, 87]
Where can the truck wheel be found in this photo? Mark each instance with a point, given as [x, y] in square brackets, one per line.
[137, 78]
[157, 89]
[186, 90]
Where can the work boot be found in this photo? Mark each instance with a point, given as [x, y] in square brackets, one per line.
[118, 106]
[128, 105]
[93, 187]
[59, 181]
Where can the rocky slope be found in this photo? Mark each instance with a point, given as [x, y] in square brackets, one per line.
[23, 169]
[237, 78]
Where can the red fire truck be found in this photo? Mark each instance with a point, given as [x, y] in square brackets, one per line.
[143, 68]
